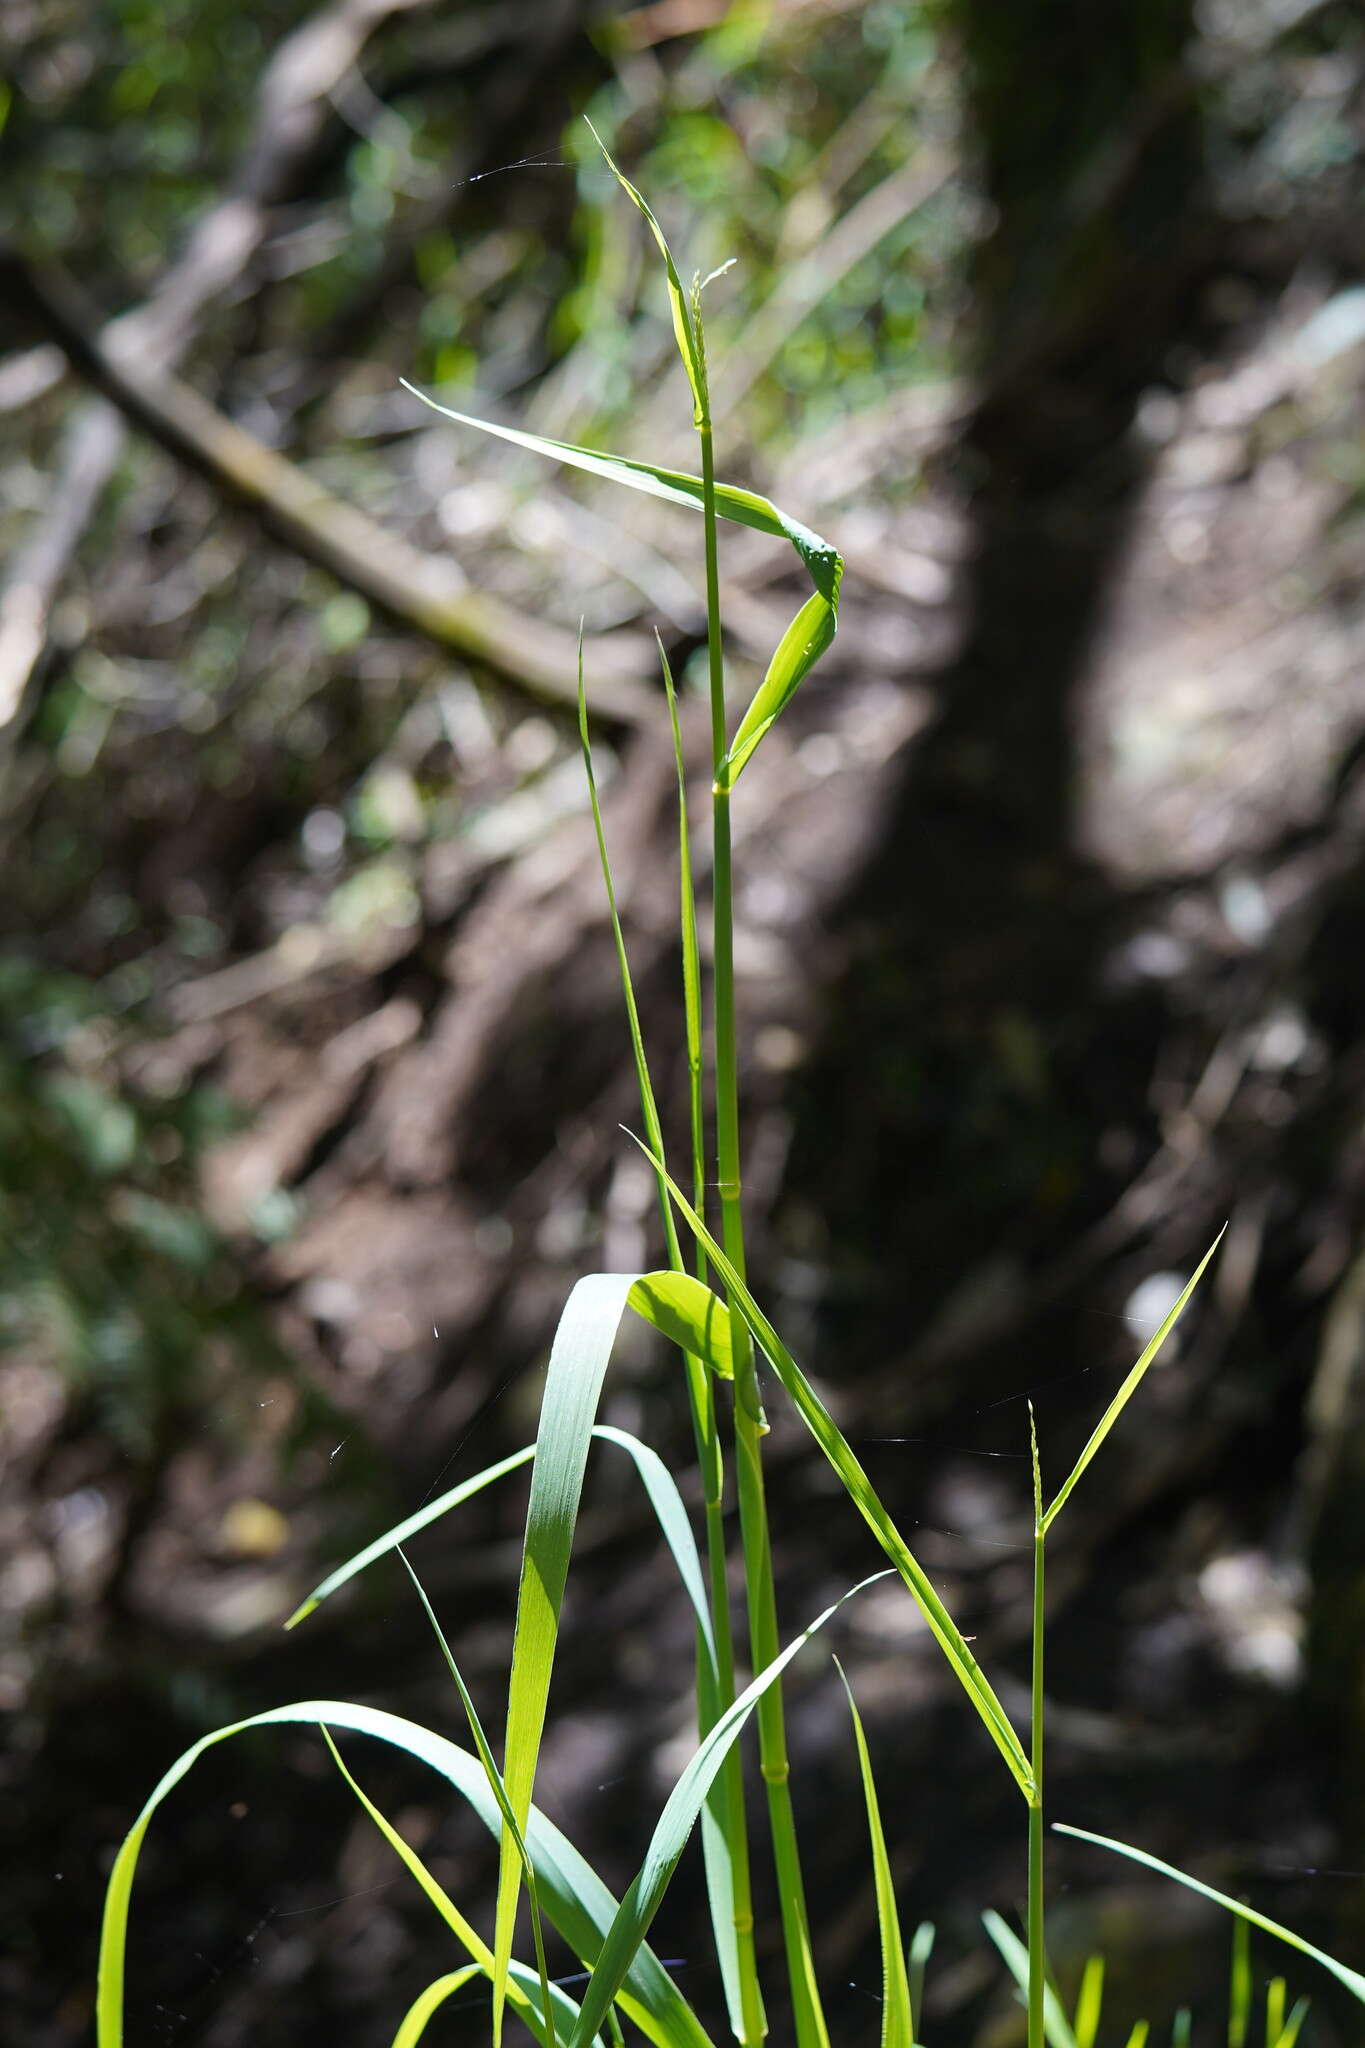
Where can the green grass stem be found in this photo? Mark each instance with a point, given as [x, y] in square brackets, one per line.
[1037, 1946]
[726, 1831]
[750, 1426]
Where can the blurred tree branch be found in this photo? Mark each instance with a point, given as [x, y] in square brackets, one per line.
[295, 107]
[418, 590]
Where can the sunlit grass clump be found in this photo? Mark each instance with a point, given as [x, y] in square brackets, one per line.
[701, 1303]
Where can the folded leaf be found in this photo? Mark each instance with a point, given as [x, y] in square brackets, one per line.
[809, 633]
[688, 1313]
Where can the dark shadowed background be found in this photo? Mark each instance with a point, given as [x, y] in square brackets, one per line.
[1052, 941]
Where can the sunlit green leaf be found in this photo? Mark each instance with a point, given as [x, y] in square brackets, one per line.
[898, 2029]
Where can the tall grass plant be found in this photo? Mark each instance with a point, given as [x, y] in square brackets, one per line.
[702, 1304]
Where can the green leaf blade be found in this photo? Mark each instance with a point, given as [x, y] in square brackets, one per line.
[575, 1898]
[810, 632]
[646, 1890]
[573, 1383]
[1055, 2022]
[689, 1314]
[807, 637]
[1351, 1979]
[898, 2028]
[401, 1531]
[839, 1453]
[1129, 1387]
[1089, 2003]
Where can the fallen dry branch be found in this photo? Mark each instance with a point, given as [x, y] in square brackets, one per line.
[420, 591]
[294, 105]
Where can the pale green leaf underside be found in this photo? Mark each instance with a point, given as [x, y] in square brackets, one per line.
[579, 1358]
[573, 1383]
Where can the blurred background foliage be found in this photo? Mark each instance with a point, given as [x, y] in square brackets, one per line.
[1052, 315]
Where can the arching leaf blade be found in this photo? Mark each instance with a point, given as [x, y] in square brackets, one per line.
[675, 486]
[575, 1898]
[413, 2024]
[410, 1526]
[1352, 1979]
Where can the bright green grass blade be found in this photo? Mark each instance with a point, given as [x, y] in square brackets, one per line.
[538, 2011]
[1180, 2028]
[1289, 2032]
[686, 328]
[1129, 1388]
[898, 2029]
[1352, 1979]
[573, 1383]
[414, 2021]
[1239, 1986]
[548, 2012]
[648, 1465]
[805, 640]
[493, 1778]
[921, 1948]
[823, 562]
[675, 1824]
[1089, 2003]
[1138, 2037]
[382, 1545]
[688, 1313]
[465, 1933]
[574, 1897]
[837, 1450]
[1055, 2022]
[1274, 2010]
[428, 2003]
